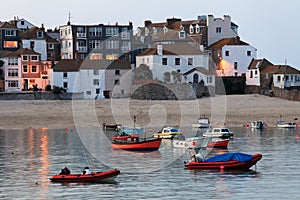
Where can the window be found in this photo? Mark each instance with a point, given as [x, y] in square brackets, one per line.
[117, 72]
[235, 65]
[10, 44]
[50, 46]
[22, 23]
[95, 31]
[25, 58]
[10, 32]
[65, 75]
[112, 44]
[117, 82]
[98, 91]
[13, 84]
[164, 61]
[190, 61]
[40, 34]
[88, 93]
[125, 34]
[278, 79]
[209, 79]
[96, 81]
[255, 72]
[13, 72]
[251, 74]
[248, 53]
[235, 73]
[33, 69]
[96, 72]
[226, 53]
[95, 44]
[35, 58]
[65, 84]
[112, 31]
[112, 56]
[25, 68]
[182, 34]
[195, 78]
[177, 61]
[12, 61]
[96, 56]
[218, 30]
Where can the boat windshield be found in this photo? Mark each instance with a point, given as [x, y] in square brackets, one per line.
[225, 130]
[173, 130]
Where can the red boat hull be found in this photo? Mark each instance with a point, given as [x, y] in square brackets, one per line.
[93, 177]
[233, 164]
[218, 144]
[147, 145]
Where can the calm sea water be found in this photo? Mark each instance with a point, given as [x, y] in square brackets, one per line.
[29, 157]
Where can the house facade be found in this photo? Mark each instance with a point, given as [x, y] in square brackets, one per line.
[232, 56]
[256, 66]
[9, 36]
[167, 59]
[93, 78]
[109, 41]
[24, 70]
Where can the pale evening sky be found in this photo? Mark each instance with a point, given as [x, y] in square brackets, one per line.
[271, 26]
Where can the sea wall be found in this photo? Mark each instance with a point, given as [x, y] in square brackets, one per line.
[38, 96]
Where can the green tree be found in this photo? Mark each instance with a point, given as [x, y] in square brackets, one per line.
[143, 72]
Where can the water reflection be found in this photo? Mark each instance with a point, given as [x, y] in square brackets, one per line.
[33, 155]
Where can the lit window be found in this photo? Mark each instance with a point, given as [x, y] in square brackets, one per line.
[96, 56]
[112, 56]
[10, 44]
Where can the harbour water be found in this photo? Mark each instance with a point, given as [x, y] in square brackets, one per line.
[29, 157]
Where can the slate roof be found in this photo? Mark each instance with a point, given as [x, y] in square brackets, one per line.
[202, 70]
[259, 64]
[72, 65]
[173, 49]
[32, 34]
[227, 41]
[280, 69]
[19, 52]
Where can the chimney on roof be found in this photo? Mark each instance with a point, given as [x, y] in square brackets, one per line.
[237, 40]
[170, 21]
[159, 49]
[42, 28]
[147, 23]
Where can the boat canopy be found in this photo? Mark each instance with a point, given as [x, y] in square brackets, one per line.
[241, 157]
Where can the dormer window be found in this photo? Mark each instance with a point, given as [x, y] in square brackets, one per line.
[191, 29]
[218, 30]
[182, 34]
[197, 28]
[40, 34]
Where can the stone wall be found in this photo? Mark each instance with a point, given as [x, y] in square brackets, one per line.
[163, 91]
[293, 95]
[38, 96]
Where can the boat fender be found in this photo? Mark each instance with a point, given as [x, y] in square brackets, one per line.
[247, 125]
[193, 143]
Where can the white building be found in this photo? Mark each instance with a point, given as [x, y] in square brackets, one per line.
[199, 74]
[219, 28]
[255, 68]
[92, 77]
[164, 59]
[286, 76]
[232, 56]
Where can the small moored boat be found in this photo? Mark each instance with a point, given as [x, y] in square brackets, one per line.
[92, 177]
[203, 122]
[259, 125]
[233, 161]
[223, 133]
[151, 144]
[283, 124]
[167, 133]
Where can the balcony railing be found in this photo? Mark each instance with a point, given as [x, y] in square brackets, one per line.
[82, 49]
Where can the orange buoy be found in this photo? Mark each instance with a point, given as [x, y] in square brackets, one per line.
[193, 143]
[247, 125]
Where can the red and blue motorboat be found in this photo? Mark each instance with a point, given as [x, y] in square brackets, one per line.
[93, 177]
[151, 144]
[233, 161]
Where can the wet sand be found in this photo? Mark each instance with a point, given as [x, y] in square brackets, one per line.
[233, 111]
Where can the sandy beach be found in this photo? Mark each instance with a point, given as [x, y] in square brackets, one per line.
[233, 111]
